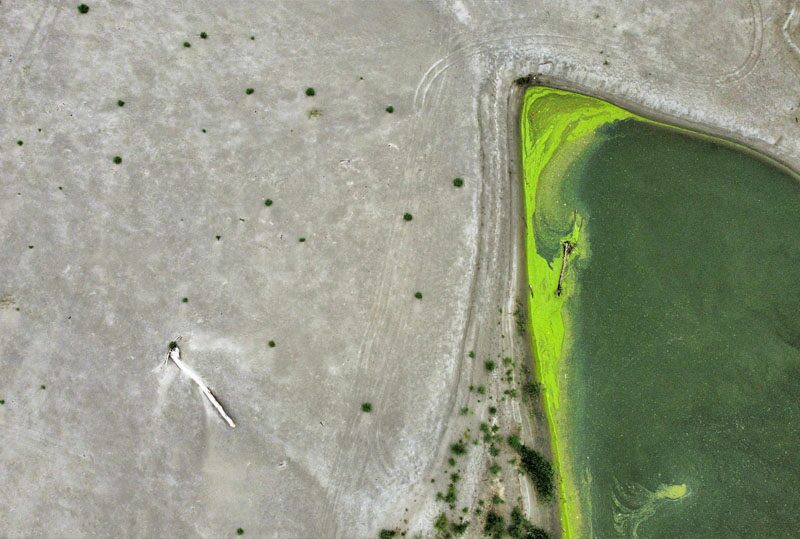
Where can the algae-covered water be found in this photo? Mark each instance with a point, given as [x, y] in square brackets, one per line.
[671, 364]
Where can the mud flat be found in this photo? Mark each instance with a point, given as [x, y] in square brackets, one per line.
[669, 361]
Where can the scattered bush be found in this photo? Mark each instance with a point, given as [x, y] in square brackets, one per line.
[495, 524]
[407, 216]
[521, 528]
[366, 407]
[249, 91]
[42, 386]
[271, 344]
[418, 295]
[458, 182]
[83, 9]
[117, 159]
[302, 240]
[268, 202]
[19, 143]
[489, 365]
[120, 103]
[460, 528]
[390, 109]
[495, 468]
[173, 345]
[387, 534]
[492, 410]
[310, 91]
[239, 531]
[187, 44]
[539, 469]
[203, 35]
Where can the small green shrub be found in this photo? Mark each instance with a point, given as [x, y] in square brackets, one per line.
[218, 237]
[252, 38]
[249, 91]
[390, 109]
[310, 91]
[489, 365]
[185, 300]
[302, 240]
[268, 202]
[387, 534]
[441, 523]
[458, 182]
[239, 531]
[187, 44]
[120, 103]
[2, 402]
[20, 143]
[173, 345]
[117, 159]
[42, 386]
[495, 468]
[203, 35]
[495, 524]
[83, 9]
[492, 410]
[460, 528]
[407, 216]
[418, 295]
[481, 390]
[471, 354]
[366, 407]
[271, 344]
[458, 448]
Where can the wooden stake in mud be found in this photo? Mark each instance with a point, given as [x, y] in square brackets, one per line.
[567, 250]
[175, 356]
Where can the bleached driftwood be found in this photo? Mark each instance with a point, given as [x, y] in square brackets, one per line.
[175, 356]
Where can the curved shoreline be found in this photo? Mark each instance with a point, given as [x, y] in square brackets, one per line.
[554, 126]
[549, 141]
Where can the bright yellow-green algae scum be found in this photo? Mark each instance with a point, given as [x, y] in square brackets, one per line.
[556, 126]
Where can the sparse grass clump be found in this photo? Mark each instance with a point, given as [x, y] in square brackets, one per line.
[489, 365]
[495, 468]
[366, 407]
[83, 9]
[458, 182]
[310, 92]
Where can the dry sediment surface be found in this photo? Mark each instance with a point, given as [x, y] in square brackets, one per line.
[101, 437]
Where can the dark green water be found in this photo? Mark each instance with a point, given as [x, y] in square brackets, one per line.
[686, 358]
